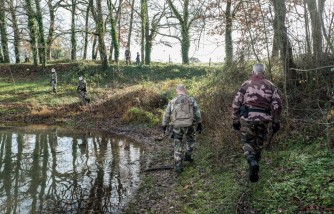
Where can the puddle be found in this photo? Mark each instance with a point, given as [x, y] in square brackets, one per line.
[56, 170]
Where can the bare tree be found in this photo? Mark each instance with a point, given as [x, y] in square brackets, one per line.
[100, 31]
[281, 36]
[32, 25]
[41, 38]
[152, 28]
[113, 28]
[315, 10]
[186, 15]
[3, 32]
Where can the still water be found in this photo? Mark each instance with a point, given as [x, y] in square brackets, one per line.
[56, 170]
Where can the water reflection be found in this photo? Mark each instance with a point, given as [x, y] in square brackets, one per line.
[45, 170]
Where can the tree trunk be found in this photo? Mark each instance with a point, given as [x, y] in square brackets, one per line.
[98, 16]
[113, 31]
[15, 31]
[185, 45]
[32, 25]
[148, 38]
[228, 33]
[143, 9]
[307, 31]
[94, 55]
[86, 32]
[73, 33]
[41, 39]
[1, 56]
[130, 27]
[3, 32]
[326, 35]
[49, 40]
[316, 30]
[185, 25]
[282, 37]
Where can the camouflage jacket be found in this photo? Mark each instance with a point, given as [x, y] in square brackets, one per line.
[54, 76]
[82, 86]
[258, 93]
[170, 109]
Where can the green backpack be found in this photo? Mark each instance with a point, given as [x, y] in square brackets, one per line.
[182, 113]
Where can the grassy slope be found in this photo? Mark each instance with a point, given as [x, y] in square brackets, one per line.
[296, 174]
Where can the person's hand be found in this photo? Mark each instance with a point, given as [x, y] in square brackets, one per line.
[236, 126]
[200, 128]
[164, 128]
[276, 127]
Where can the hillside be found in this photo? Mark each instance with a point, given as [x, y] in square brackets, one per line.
[296, 169]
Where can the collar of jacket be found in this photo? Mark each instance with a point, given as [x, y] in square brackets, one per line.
[257, 76]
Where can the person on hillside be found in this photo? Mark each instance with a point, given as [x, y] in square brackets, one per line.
[182, 114]
[53, 80]
[138, 59]
[256, 103]
[82, 89]
[127, 57]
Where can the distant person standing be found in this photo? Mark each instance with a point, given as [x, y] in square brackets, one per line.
[82, 89]
[53, 80]
[127, 56]
[138, 59]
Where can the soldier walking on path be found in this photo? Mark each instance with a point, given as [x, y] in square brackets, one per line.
[182, 114]
[53, 80]
[82, 89]
[256, 103]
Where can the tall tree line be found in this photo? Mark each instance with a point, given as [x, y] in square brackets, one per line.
[44, 30]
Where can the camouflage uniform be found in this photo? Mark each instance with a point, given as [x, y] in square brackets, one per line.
[257, 93]
[138, 59]
[82, 88]
[264, 104]
[178, 132]
[127, 57]
[54, 81]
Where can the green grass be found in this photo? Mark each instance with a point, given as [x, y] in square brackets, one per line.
[296, 176]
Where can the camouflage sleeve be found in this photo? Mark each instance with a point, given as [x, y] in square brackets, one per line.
[276, 106]
[237, 102]
[197, 112]
[167, 114]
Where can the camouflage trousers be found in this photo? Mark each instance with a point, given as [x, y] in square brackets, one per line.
[254, 133]
[179, 144]
[54, 86]
[83, 96]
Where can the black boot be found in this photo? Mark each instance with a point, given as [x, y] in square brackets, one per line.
[253, 169]
[187, 157]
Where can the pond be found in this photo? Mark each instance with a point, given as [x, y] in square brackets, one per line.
[59, 170]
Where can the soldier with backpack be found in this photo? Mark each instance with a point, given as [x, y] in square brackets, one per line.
[127, 56]
[82, 89]
[182, 114]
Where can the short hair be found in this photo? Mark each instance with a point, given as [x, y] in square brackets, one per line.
[53, 70]
[258, 68]
[180, 87]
